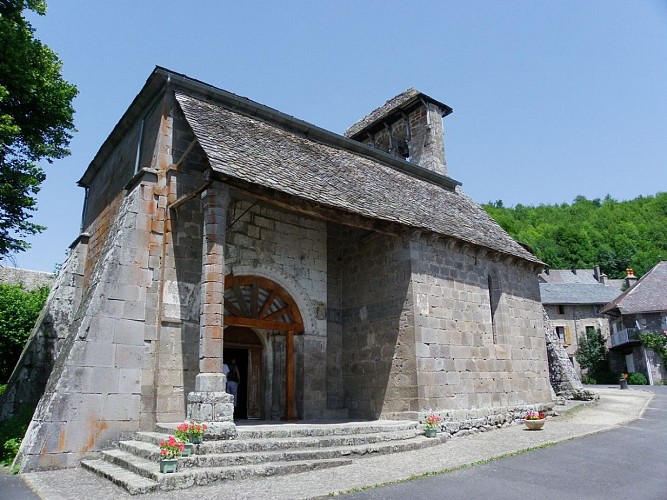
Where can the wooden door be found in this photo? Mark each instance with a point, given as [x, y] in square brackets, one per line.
[254, 383]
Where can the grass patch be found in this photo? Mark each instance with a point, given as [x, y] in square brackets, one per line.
[12, 431]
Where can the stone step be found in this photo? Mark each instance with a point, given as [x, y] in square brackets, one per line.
[139, 475]
[133, 483]
[294, 452]
[309, 429]
[186, 477]
[269, 444]
[262, 449]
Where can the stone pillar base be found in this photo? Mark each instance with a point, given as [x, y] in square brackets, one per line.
[210, 404]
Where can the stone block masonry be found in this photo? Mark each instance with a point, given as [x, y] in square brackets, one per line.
[93, 395]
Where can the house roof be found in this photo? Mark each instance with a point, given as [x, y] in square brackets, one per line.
[403, 101]
[336, 172]
[577, 293]
[569, 276]
[649, 294]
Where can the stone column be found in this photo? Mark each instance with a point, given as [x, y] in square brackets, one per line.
[209, 402]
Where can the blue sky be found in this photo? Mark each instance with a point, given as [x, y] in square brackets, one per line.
[551, 99]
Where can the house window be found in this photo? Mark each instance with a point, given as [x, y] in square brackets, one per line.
[590, 330]
[561, 309]
[560, 331]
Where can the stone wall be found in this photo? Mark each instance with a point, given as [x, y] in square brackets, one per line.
[379, 372]
[460, 365]
[93, 395]
[562, 373]
[29, 279]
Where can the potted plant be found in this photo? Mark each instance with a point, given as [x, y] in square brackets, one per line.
[183, 436]
[431, 425]
[535, 420]
[623, 381]
[196, 432]
[170, 450]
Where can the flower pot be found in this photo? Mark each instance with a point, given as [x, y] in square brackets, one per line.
[168, 465]
[189, 450]
[624, 383]
[535, 425]
[195, 439]
[430, 433]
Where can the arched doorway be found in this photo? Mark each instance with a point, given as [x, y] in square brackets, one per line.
[256, 303]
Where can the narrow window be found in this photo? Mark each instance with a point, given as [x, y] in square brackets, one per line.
[493, 302]
[561, 309]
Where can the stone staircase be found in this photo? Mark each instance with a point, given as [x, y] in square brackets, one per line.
[259, 450]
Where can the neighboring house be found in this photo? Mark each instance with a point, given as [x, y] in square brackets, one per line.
[642, 307]
[347, 275]
[573, 299]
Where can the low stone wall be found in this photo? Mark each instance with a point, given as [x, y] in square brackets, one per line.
[466, 422]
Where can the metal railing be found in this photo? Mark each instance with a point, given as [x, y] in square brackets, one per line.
[624, 336]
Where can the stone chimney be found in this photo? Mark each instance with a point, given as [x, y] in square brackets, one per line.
[630, 278]
[599, 276]
[408, 126]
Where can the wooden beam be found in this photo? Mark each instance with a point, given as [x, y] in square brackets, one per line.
[315, 209]
[262, 324]
[290, 400]
[267, 303]
[240, 299]
[277, 314]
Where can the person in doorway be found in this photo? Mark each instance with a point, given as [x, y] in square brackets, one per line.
[233, 380]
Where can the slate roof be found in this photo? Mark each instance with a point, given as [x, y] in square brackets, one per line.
[649, 294]
[401, 101]
[577, 293]
[269, 155]
[568, 276]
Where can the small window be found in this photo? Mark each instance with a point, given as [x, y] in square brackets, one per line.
[590, 330]
[561, 309]
[560, 331]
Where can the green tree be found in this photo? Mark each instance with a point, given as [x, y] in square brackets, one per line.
[592, 353]
[36, 120]
[614, 235]
[19, 310]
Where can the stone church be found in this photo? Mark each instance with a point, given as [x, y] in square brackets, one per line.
[348, 276]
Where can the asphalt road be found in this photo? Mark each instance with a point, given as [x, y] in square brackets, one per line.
[12, 487]
[629, 462]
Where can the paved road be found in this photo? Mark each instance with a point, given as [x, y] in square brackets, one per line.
[629, 462]
[11, 486]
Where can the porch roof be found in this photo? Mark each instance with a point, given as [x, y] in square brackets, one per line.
[287, 160]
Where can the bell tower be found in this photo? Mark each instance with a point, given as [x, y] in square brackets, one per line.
[409, 126]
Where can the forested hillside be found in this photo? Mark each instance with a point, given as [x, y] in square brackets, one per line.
[612, 234]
